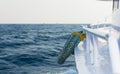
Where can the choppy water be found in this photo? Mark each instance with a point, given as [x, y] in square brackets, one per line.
[33, 49]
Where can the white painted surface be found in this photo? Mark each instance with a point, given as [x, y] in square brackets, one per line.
[114, 54]
[89, 63]
[116, 18]
[80, 61]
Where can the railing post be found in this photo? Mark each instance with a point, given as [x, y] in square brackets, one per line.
[114, 54]
[87, 50]
[88, 47]
[95, 51]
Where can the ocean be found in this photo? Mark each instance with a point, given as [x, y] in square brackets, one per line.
[34, 48]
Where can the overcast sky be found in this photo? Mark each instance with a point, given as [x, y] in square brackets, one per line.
[54, 11]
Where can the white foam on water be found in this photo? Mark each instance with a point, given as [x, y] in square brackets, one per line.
[70, 71]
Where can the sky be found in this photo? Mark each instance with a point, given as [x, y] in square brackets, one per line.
[54, 11]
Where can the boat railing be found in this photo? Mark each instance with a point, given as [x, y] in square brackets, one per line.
[92, 55]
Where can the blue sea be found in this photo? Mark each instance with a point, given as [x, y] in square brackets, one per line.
[34, 48]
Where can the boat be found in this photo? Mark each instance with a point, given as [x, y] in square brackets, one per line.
[98, 51]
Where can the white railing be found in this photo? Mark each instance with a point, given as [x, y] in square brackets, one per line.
[93, 54]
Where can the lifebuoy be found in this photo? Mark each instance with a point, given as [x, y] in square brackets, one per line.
[69, 46]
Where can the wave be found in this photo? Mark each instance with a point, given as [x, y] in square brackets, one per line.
[70, 71]
[27, 47]
[14, 44]
[25, 59]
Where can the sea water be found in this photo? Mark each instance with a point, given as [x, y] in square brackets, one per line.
[34, 48]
